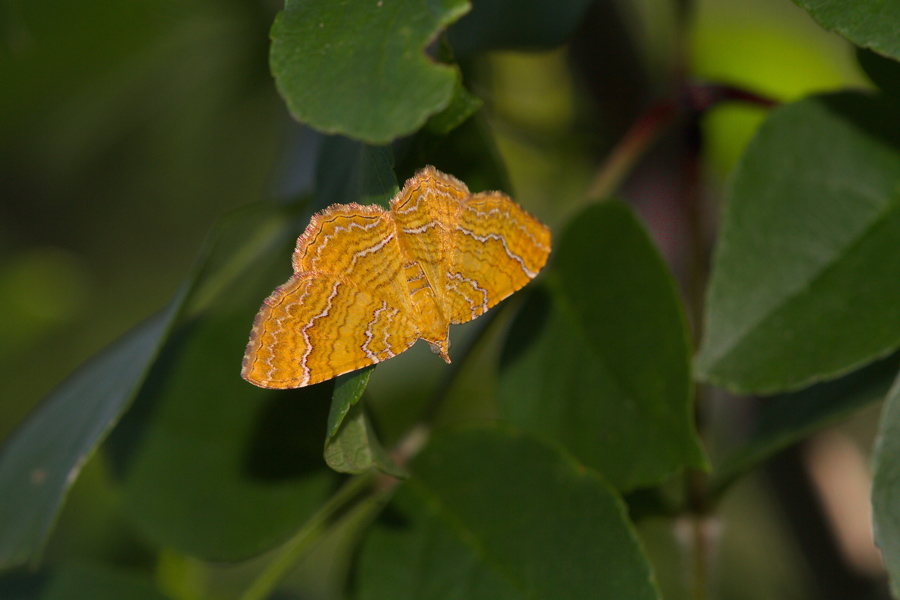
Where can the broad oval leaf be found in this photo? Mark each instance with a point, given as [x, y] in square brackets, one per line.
[805, 284]
[360, 68]
[886, 486]
[871, 25]
[493, 514]
[601, 364]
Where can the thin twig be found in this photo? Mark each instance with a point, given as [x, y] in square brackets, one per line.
[355, 490]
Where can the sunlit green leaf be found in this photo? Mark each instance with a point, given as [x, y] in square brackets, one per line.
[351, 445]
[361, 68]
[806, 278]
[868, 24]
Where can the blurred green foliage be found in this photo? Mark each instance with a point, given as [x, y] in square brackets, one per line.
[124, 132]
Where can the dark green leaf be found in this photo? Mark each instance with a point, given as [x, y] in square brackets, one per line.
[355, 449]
[23, 585]
[516, 25]
[348, 389]
[95, 583]
[602, 364]
[468, 152]
[213, 466]
[871, 25]
[42, 459]
[497, 515]
[360, 68]
[349, 171]
[886, 486]
[77, 581]
[786, 419]
[377, 179]
[884, 72]
[351, 445]
[806, 277]
[463, 106]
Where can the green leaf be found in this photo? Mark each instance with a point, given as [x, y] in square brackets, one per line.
[211, 465]
[884, 72]
[871, 25]
[601, 365]
[23, 585]
[355, 449]
[886, 486]
[805, 284]
[360, 68]
[348, 389]
[786, 419]
[41, 460]
[468, 152]
[76, 582]
[350, 444]
[463, 106]
[496, 515]
[349, 171]
[516, 25]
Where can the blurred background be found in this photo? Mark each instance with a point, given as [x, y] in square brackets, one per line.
[126, 129]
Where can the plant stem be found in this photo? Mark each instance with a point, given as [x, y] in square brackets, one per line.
[295, 548]
[628, 152]
[700, 98]
[700, 547]
[701, 575]
[693, 99]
